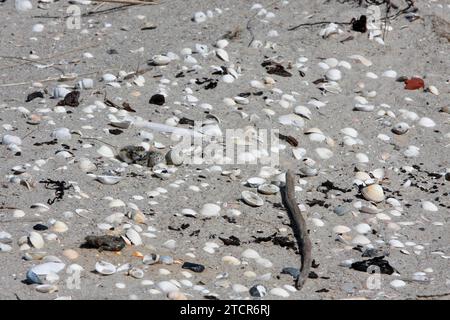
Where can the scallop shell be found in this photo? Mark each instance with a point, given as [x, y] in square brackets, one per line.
[36, 240]
[105, 268]
[222, 54]
[373, 192]
[252, 199]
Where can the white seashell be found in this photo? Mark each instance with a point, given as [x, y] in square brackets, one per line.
[317, 222]
[400, 128]
[279, 292]
[241, 100]
[59, 227]
[199, 17]
[252, 199]
[389, 74]
[411, 152]
[106, 152]
[433, 90]
[86, 165]
[429, 206]
[397, 283]
[255, 182]
[23, 5]
[36, 240]
[361, 59]
[396, 244]
[350, 132]
[61, 134]
[266, 263]
[364, 107]
[47, 268]
[362, 158]
[323, 65]
[228, 78]
[324, 153]
[426, 122]
[373, 192]
[250, 254]
[257, 84]
[222, 54]
[109, 180]
[333, 75]
[105, 268]
[46, 288]
[332, 62]
[231, 260]
[134, 237]
[11, 140]
[303, 112]
[345, 65]
[176, 295]
[361, 240]
[108, 77]
[222, 43]
[85, 84]
[378, 173]
[161, 60]
[298, 153]
[291, 120]
[210, 210]
[371, 75]
[363, 228]
[60, 92]
[330, 29]
[38, 27]
[341, 229]
[267, 188]
[167, 286]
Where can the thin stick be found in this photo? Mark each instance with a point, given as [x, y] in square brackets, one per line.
[299, 228]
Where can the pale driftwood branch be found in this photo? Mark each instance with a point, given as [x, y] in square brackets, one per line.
[300, 229]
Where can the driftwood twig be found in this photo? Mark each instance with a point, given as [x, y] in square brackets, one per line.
[300, 229]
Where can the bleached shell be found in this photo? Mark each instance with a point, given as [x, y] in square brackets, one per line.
[46, 288]
[298, 153]
[36, 240]
[255, 182]
[108, 77]
[389, 74]
[371, 75]
[167, 286]
[364, 107]
[308, 171]
[350, 132]
[136, 273]
[429, 206]
[292, 120]
[210, 210]
[61, 134]
[333, 75]
[324, 153]
[400, 128]
[361, 59]
[105, 268]
[396, 243]
[373, 192]
[252, 199]
[23, 5]
[161, 60]
[345, 65]
[9, 139]
[267, 188]
[433, 90]
[361, 240]
[134, 237]
[363, 228]
[222, 54]
[332, 62]
[250, 254]
[86, 165]
[303, 111]
[231, 260]
[228, 78]
[411, 152]
[108, 180]
[397, 283]
[279, 292]
[341, 229]
[426, 122]
[323, 65]
[106, 152]
[257, 84]
[47, 268]
[222, 43]
[60, 227]
[378, 173]
[199, 17]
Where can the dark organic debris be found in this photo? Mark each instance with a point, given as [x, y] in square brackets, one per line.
[104, 243]
[126, 106]
[289, 139]
[157, 99]
[48, 143]
[383, 265]
[40, 227]
[71, 99]
[115, 131]
[34, 95]
[322, 290]
[210, 83]
[273, 67]
[231, 241]
[193, 267]
[187, 121]
[359, 25]
[58, 186]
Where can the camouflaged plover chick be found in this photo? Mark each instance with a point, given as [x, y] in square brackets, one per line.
[139, 155]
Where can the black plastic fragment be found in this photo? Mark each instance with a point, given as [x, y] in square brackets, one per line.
[193, 267]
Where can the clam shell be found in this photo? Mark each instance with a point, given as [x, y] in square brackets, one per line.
[108, 77]
[433, 90]
[46, 288]
[400, 128]
[291, 120]
[324, 153]
[252, 199]
[210, 210]
[308, 172]
[426, 122]
[47, 268]
[373, 192]
[60, 92]
[161, 60]
[222, 54]
[136, 273]
[222, 43]
[429, 206]
[255, 182]
[341, 229]
[167, 286]
[134, 237]
[389, 74]
[85, 84]
[364, 107]
[36, 240]
[9, 139]
[333, 75]
[33, 278]
[60, 227]
[303, 112]
[106, 152]
[86, 165]
[109, 180]
[268, 188]
[105, 268]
